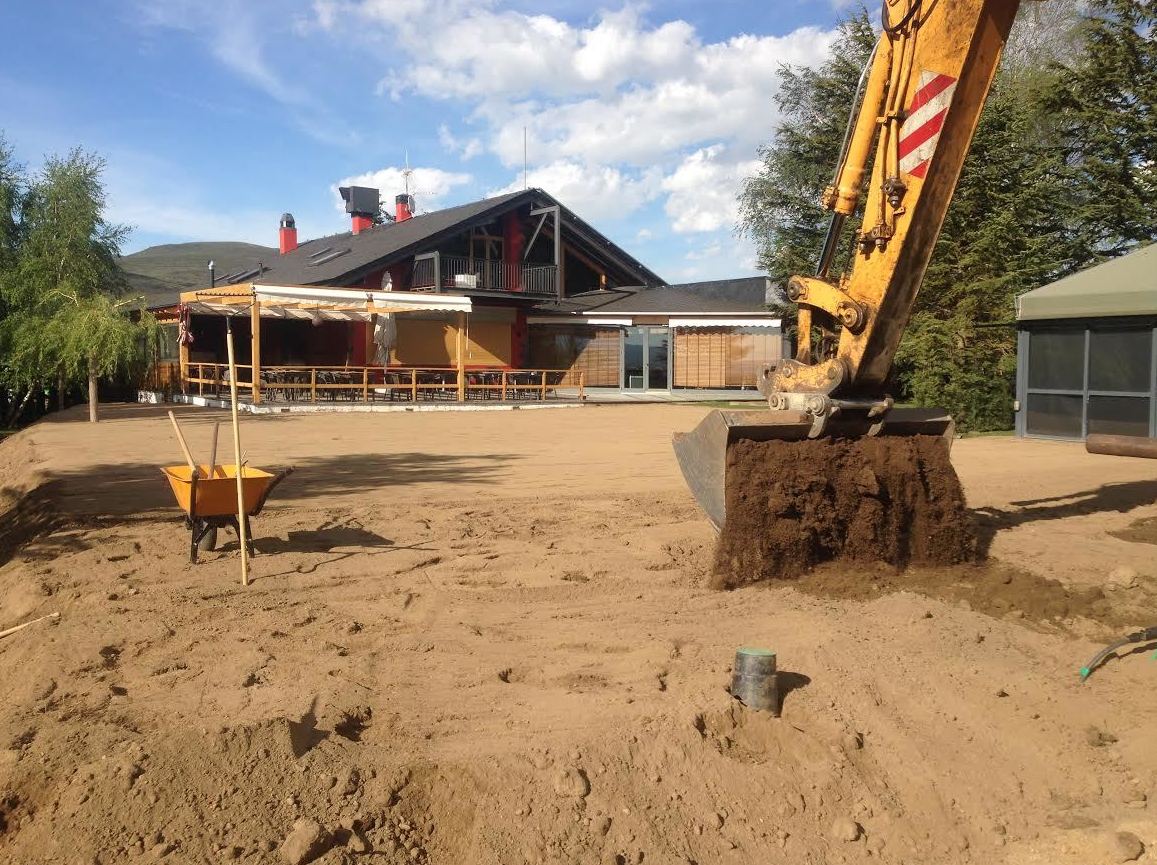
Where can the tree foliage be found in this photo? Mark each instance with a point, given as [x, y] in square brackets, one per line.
[1060, 175]
[779, 207]
[62, 315]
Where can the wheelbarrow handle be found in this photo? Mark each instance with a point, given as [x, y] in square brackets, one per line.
[278, 478]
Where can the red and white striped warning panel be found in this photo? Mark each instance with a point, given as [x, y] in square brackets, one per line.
[921, 128]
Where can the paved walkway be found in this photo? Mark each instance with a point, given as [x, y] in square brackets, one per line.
[613, 394]
[563, 398]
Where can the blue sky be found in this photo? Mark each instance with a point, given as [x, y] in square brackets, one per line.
[217, 117]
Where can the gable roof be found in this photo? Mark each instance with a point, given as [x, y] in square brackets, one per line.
[1120, 286]
[344, 259]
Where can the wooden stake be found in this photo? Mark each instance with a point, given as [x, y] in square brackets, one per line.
[213, 450]
[16, 628]
[184, 445]
[241, 523]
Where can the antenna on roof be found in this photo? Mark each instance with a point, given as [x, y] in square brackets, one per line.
[524, 156]
[406, 173]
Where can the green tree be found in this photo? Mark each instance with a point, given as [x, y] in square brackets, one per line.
[1002, 235]
[1105, 103]
[64, 318]
[1060, 174]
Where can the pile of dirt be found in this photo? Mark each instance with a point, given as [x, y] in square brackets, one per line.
[794, 505]
[26, 508]
[993, 588]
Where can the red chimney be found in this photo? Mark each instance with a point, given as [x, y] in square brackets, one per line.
[362, 203]
[288, 233]
[403, 207]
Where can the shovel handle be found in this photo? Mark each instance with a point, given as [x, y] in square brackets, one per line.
[184, 445]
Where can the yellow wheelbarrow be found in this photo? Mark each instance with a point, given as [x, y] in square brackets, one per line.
[209, 498]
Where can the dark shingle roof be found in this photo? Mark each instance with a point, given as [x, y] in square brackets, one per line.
[589, 300]
[342, 259]
[741, 296]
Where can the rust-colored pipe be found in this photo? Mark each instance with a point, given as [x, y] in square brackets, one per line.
[1122, 446]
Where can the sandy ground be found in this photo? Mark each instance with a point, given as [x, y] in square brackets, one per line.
[486, 638]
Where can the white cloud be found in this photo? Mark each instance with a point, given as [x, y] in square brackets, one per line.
[428, 185]
[594, 192]
[713, 257]
[614, 109]
[702, 190]
[464, 148]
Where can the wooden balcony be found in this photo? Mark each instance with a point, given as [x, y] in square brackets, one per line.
[436, 272]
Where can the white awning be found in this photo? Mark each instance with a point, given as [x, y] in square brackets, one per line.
[575, 320]
[326, 304]
[380, 301]
[725, 322]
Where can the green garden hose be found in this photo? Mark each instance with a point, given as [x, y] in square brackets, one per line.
[1147, 635]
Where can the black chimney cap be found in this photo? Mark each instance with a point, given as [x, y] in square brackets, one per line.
[287, 221]
[362, 200]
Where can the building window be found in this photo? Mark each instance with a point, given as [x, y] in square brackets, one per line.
[1085, 378]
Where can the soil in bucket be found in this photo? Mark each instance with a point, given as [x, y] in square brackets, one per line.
[792, 505]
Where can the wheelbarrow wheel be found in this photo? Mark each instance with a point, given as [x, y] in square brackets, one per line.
[208, 541]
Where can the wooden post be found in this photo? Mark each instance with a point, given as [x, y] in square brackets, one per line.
[365, 384]
[183, 353]
[504, 385]
[414, 385]
[255, 351]
[242, 523]
[460, 351]
[313, 384]
[582, 381]
[543, 391]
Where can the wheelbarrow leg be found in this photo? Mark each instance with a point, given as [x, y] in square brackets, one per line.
[248, 533]
[204, 531]
[249, 537]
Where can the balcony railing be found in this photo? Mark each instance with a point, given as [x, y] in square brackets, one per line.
[436, 272]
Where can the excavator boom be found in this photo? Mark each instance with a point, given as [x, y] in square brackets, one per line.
[921, 97]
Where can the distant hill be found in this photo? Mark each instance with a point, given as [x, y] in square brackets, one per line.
[161, 273]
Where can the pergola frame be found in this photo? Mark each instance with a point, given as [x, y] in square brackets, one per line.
[330, 304]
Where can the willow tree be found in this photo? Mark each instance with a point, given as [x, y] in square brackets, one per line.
[65, 318]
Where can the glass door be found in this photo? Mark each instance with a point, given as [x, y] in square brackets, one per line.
[646, 358]
[658, 352]
[634, 358]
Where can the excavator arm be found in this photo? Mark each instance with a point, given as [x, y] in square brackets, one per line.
[919, 102]
[925, 87]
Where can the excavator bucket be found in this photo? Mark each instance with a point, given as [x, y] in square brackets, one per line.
[702, 453]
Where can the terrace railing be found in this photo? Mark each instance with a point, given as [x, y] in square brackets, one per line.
[436, 272]
[377, 383]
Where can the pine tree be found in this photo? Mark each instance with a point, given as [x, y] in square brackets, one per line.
[1001, 236]
[1105, 100]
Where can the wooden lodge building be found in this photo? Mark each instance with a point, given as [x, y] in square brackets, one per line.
[516, 284]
